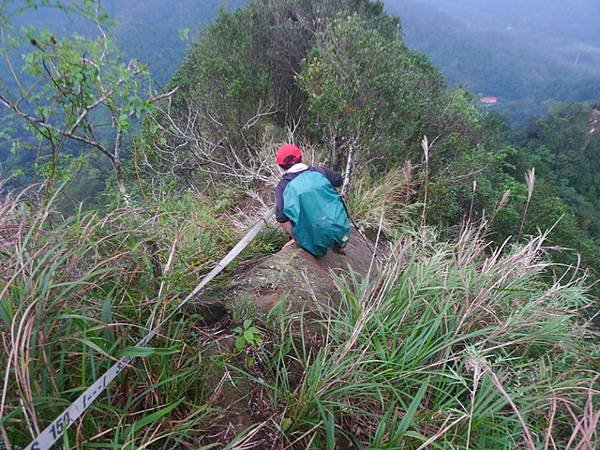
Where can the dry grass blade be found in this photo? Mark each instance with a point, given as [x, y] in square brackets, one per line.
[425, 147]
[587, 425]
[501, 204]
[445, 428]
[529, 439]
[389, 197]
[530, 181]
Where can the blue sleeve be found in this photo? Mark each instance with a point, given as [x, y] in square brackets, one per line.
[279, 215]
[335, 178]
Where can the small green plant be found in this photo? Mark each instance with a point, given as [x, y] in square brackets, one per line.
[247, 335]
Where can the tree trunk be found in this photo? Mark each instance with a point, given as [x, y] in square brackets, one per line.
[121, 183]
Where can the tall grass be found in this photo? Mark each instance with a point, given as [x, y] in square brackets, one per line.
[449, 346]
[386, 202]
[76, 293]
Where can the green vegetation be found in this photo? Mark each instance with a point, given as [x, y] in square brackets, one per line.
[475, 331]
[81, 291]
[247, 335]
[439, 349]
[147, 34]
[449, 343]
[565, 156]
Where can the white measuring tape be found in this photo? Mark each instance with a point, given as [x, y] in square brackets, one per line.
[59, 425]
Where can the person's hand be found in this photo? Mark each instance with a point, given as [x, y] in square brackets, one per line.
[289, 243]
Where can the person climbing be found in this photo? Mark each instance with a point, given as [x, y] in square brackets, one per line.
[308, 207]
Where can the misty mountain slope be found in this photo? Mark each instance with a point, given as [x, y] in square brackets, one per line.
[149, 30]
[536, 50]
[572, 19]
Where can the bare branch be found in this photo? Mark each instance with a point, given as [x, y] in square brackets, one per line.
[163, 96]
[42, 123]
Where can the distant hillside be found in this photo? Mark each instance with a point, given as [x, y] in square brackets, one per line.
[148, 30]
[527, 53]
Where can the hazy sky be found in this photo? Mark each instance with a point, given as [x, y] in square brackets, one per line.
[572, 19]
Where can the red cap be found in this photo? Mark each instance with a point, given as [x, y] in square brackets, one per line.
[285, 151]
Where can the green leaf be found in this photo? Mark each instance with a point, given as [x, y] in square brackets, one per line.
[239, 343]
[247, 323]
[410, 412]
[184, 34]
[107, 316]
[143, 352]
[155, 416]
[6, 311]
[124, 122]
[94, 346]
[286, 423]
[249, 335]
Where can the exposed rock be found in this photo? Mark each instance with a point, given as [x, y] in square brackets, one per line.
[306, 284]
[299, 277]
